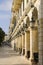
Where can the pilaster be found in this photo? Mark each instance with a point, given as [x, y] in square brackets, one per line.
[40, 32]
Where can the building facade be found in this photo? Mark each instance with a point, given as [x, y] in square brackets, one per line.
[26, 29]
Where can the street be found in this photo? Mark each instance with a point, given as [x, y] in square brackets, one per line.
[10, 57]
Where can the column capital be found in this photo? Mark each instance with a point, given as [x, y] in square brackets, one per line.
[22, 33]
[34, 28]
[26, 30]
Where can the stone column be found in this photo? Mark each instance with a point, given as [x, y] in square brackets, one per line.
[27, 44]
[35, 40]
[31, 44]
[20, 44]
[23, 43]
[16, 44]
[25, 3]
[40, 32]
[35, 44]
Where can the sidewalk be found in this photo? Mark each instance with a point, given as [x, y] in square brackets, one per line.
[9, 57]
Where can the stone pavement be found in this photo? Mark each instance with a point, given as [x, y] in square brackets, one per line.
[9, 57]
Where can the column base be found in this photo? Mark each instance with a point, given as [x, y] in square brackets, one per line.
[23, 51]
[35, 57]
[31, 59]
[32, 62]
[28, 54]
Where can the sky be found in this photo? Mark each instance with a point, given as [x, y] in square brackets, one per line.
[5, 14]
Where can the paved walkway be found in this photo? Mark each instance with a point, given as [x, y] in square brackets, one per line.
[9, 57]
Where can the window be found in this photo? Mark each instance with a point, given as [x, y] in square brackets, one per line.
[23, 5]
